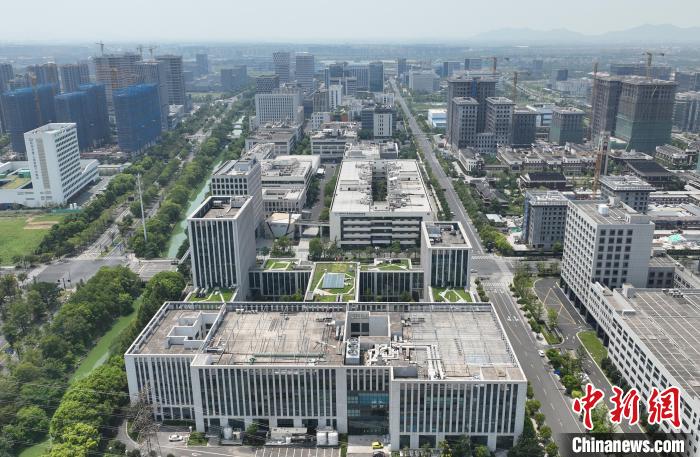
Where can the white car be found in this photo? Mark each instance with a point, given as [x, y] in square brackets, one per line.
[541, 353]
[175, 437]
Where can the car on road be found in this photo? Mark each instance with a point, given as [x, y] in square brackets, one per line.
[175, 437]
[474, 270]
[378, 454]
[541, 353]
[377, 445]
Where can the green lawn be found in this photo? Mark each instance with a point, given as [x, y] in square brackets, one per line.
[274, 264]
[594, 345]
[349, 269]
[100, 352]
[395, 265]
[451, 295]
[37, 450]
[20, 235]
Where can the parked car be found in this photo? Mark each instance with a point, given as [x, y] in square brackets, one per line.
[175, 437]
[541, 353]
[377, 445]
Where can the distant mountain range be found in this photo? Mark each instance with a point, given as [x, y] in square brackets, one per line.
[657, 34]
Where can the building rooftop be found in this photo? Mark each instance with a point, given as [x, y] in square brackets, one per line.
[500, 100]
[421, 341]
[387, 265]
[606, 213]
[562, 110]
[234, 167]
[647, 168]
[405, 190]
[220, 208]
[545, 197]
[544, 176]
[625, 183]
[288, 166]
[666, 321]
[51, 128]
[445, 234]
[464, 101]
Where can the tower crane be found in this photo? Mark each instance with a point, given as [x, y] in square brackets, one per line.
[102, 47]
[650, 55]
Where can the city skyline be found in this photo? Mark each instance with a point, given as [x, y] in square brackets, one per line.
[80, 21]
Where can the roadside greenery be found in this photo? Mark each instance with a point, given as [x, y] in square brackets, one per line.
[328, 190]
[490, 236]
[46, 354]
[532, 306]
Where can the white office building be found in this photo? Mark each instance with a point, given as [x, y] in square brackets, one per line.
[653, 343]
[418, 372]
[240, 178]
[283, 105]
[606, 242]
[335, 96]
[377, 202]
[53, 172]
[425, 81]
[445, 255]
[383, 123]
[629, 189]
[330, 142]
[222, 243]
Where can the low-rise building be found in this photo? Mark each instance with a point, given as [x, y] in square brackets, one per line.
[282, 136]
[331, 141]
[368, 369]
[544, 219]
[676, 158]
[547, 180]
[437, 118]
[651, 172]
[629, 189]
[378, 202]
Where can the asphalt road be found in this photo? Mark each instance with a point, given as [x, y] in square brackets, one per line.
[497, 273]
[450, 194]
[570, 323]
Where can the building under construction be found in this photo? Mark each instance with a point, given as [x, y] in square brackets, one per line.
[479, 87]
[636, 109]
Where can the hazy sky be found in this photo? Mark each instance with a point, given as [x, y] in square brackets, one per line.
[322, 21]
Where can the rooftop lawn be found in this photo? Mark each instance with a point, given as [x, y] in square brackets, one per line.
[394, 265]
[349, 269]
[451, 295]
[278, 264]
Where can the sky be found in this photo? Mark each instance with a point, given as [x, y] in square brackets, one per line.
[321, 21]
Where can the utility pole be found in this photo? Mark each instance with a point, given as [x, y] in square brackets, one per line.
[143, 217]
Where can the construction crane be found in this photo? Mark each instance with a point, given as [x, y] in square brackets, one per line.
[139, 48]
[650, 55]
[601, 161]
[102, 47]
[494, 62]
[515, 84]
[151, 49]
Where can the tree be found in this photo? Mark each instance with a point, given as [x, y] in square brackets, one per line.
[463, 447]
[552, 449]
[444, 447]
[545, 433]
[316, 248]
[482, 451]
[552, 316]
[601, 420]
[77, 440]
[395, 247]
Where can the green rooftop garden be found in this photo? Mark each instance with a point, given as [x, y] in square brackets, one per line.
[388, 265]
[279, 264]
[450, 295]
[347, 292]
[219, 295]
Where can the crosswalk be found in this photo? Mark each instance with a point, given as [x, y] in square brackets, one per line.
[492, 285]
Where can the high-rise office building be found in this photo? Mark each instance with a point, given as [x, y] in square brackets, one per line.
[686, 112]
[175, 79]
[605, 99]
[234, 78]
[608, 243]
[559, 74]
[402, 66]
[462, 121]
[7, 73]
[202, 61]
[26, 109]
[524, 128]
[423, 81]
[116, 71]
[46, 73]
[567, 126]
[477, 87]
[383, 122]
[687, 80]
[445, 256]
[450, 67]
[305, 68]
[335, 96]
[641, 69]
[284, 105]
[266, 84]
[87, 109]
[281, 61]
[222, 242]
[98, 113]
[472, 63]
[54, 161]
[154, 72]
[645, 113]
[138, 113]
[240, 178]
[361, 73]
[499, 118]
[72, 76]
[376, 76]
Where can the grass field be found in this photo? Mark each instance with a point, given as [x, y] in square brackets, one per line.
[594, 345]
[451, 295]
[37, 450]
[273, 264]
[347, 268]
[21, 235]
